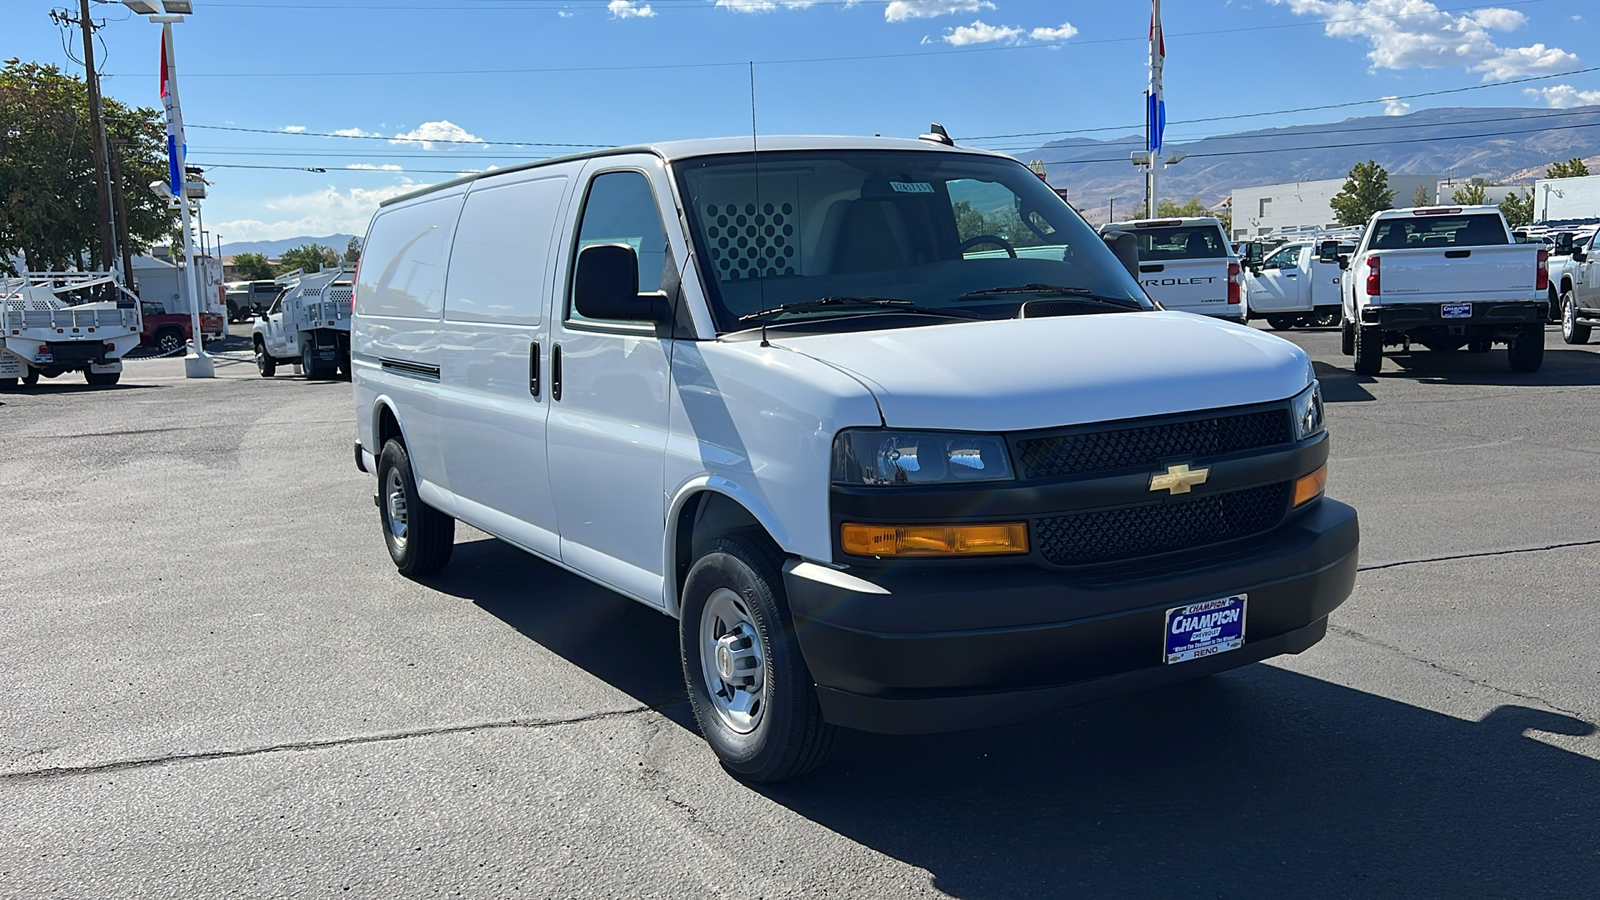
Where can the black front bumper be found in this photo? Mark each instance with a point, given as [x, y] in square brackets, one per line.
[948, 649]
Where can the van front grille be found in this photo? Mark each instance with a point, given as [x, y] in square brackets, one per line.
[1078, 453]
[1082, 539]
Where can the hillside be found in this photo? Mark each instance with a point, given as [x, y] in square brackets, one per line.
[1463, 143]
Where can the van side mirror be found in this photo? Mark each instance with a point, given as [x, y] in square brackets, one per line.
[606, 286]
[1328, 252]
[1126, 248]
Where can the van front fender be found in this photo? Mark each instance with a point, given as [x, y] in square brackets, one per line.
[715, 484]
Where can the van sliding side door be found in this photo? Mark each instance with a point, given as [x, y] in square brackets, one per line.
[609, 406]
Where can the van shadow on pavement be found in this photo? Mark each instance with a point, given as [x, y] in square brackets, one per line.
[1562, 368]
[1258, 782]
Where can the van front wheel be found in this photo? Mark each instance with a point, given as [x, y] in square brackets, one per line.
[419, 537]
[748, 684]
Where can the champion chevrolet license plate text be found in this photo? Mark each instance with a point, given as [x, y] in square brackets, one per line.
[1205, 629]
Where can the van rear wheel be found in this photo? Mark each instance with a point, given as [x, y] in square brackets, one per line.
[752, 694]
[420, 538]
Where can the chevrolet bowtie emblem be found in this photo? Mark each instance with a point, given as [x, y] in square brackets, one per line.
[1178, 479]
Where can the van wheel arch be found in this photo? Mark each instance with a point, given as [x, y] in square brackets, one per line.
[387, 425]
[705, 517]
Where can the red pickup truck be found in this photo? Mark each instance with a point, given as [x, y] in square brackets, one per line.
[169, 331]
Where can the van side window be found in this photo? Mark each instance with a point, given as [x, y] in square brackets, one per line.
[621, 209]
[501, 224]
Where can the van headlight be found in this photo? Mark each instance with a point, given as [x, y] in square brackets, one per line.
[878, 457]
[1307, 409]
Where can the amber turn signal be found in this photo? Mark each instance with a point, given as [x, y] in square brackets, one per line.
[1310, 487]
[934, 540]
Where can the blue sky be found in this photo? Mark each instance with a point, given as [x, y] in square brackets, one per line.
[623, 71]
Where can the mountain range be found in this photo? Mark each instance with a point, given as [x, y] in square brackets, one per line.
[273, 249]
[1500, 145]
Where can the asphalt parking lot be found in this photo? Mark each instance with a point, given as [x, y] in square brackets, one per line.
[216, 685]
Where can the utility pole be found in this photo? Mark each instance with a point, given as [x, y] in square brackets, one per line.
[102, 170]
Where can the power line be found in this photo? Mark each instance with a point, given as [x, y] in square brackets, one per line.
[396, 138]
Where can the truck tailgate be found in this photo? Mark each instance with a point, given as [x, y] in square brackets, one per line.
[1460, 272]
[1189, 285]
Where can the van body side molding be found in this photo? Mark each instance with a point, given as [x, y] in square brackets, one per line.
[411, 369]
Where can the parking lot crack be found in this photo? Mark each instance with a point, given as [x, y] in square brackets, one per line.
[123, 765]
[1486, 553]
[1454, 673]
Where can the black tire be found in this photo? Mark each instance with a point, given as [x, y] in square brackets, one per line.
[344, 366]
[1368, 349]
[101, 379]
[1347, 338]
[788, 736]
[169, 340]
[1526, 353]
[1325, 319]
[422, 543]
[30, 378]
[310, 365]
[1282, 322]
[266, 364]
[1554, 312]
[1571, 331]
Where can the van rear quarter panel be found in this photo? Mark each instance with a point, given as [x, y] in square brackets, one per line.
[759, 422]
[398, 306]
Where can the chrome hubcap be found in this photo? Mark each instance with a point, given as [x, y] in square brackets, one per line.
[1568, 317]
[732, 661]
[395, 505]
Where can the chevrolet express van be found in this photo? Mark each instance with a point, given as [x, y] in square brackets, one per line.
[884, 424]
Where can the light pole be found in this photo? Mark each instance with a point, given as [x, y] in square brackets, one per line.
[196, 364]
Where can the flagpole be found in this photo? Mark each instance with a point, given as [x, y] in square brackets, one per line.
[1154, 109]
[196, 364]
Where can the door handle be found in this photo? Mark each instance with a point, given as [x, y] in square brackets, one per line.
[1291, 274]
[533, 370]
[555, 372]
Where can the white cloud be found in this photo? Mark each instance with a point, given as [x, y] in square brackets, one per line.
[1394, 106]
[627, 9]
[565, 14]
[386, 167]
[328, 211]
[433, 135]
[755, 6]
[1564, 96]
[294, 129]
[354, 132]
[901, 10]
[1416, 34]
[1065, 32]
[980, 33]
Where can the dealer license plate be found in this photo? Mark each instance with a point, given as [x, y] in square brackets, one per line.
[1456, 311]
[1205, 629]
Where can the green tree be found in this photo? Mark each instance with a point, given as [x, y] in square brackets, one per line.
[1518, 210]
[352, 250]
[48, 210]
[1469, 194]
[1572, 168]
[309, 258]
[253, 267]
[1365, 192]
[1422, 197]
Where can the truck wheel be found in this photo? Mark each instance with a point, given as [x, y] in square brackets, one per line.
[1347, 337]
[1326, 319]
[30, 378]
[1281, 323]
[1555, 307]
[1368, 349]
[309, 364]
[748, 683]
[1526, 352]
[102, 379]
[265, 363]
[169, 341]
[419, 537]
[1571, 331]
[344, 366]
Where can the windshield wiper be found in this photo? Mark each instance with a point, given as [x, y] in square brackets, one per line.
[891, 303]
[1055, 289]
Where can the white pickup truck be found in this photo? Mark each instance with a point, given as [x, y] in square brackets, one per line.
[1187, 265]
[308, 324]
[52, 323]
[1446, 278]
[1296, 285]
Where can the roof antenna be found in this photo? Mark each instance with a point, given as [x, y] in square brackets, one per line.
[937, 135]
[755, 174]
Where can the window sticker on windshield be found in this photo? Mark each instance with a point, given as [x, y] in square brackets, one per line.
[911, 187]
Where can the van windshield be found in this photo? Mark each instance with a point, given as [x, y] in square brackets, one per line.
[892, 233]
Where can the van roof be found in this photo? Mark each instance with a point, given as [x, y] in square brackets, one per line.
[675, 150]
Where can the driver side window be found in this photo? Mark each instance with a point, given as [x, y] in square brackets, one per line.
[1287, 258]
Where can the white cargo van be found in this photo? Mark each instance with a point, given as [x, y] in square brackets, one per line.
[1187, 265]
[884, 477]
